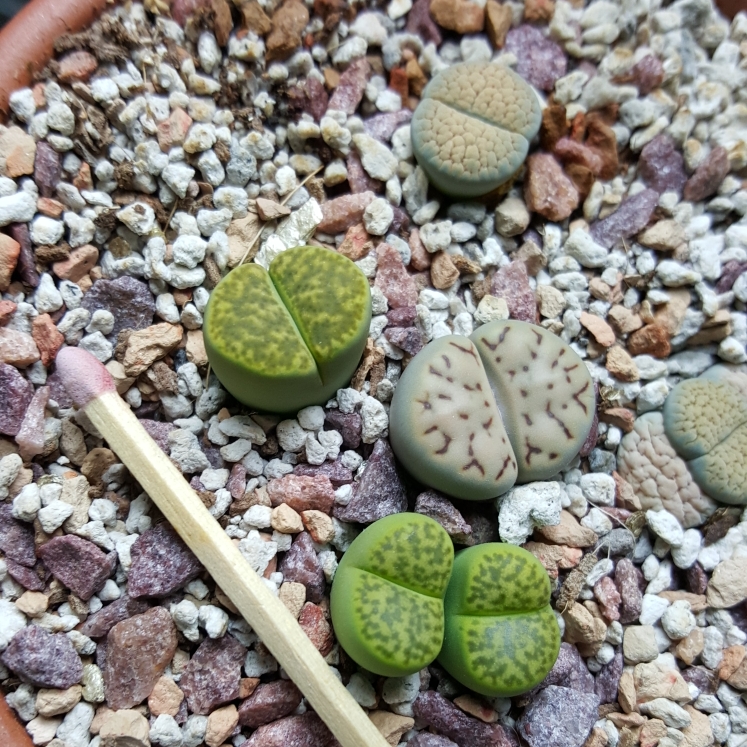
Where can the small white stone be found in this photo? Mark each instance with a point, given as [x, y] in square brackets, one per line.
[436, 236]
[526, 507]
[401, 689]
[668, 711]
[258, 516]
[678, 621]
[214, 620]
[27, 503]
[377, 160]
[47, 298]
[666, 526]
[166, 732]
[46, 230]
[12, 621]
[582, 247]
[686, 554]
[378, 216]
[362, 690]
[291, 436]
[374, 420]
[652, 608]
[60, 117]
[598, 488]
[74, 729]
[138, 217]
[52, 516]
[189, 250]
[713, 646]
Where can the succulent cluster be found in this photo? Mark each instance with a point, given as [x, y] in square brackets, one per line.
[290, 337]
[471, 416]
[472, 128]
[400, 599]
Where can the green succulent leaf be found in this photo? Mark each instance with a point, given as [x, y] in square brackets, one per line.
[501, 637]
[289, 338]
[387, 595]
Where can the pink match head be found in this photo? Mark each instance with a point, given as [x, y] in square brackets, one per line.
[84, 377]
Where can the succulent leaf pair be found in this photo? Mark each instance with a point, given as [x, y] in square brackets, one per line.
[400, 599]
[290, 337]
[705, 419]
[472, 416]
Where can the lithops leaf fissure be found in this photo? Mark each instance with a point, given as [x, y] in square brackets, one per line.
[445, 426]
[290, 338]
[699, 414]
[544, 392]
[267, 342]
[705, 420]
[387, 596]
[472, 128]
[500, 635]
[306, 286]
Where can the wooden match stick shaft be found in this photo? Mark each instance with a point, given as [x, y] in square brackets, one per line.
[262, 610]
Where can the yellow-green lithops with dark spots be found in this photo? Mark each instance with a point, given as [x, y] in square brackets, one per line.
[387, 595]
[472, 128]
[289, 338]
[705, 419]
[501, 637]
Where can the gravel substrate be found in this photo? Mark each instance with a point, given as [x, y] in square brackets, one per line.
[155, 154]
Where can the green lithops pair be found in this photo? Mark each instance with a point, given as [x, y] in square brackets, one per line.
[472, 128]
[472, 416]
[400, 599]
[290, 337]
[705, 420]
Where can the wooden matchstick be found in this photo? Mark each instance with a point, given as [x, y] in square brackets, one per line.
[92, 388]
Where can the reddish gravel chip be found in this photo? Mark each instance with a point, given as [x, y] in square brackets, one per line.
[443, 715]
[27, 577]
[301, 565]
[78, 564]
[296, 731]
[213, 674]
[268, 703]
[15, 396]
[100, 623]
[161, 563]
[138, 650]
[43, 659]
[16, 539]
[380, 491]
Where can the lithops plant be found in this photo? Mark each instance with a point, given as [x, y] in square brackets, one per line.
[660, 478]
[472, 128]
[471, 416]
[501, 637]
[705, 420]
[387, 595]
[290, 337]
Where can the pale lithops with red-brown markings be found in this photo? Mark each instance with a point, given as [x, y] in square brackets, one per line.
[471, 416]
[444, 424]
[544, 392]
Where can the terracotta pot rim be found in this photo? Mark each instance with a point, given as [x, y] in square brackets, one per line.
[27, 40]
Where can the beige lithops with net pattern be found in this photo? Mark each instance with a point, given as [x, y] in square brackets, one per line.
[472, 128]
